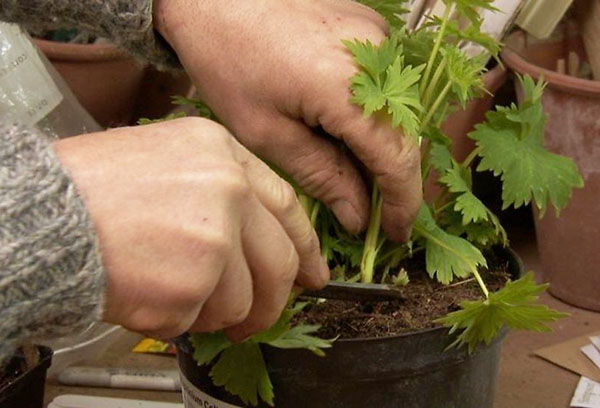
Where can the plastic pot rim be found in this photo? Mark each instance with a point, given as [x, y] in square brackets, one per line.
[46, 354]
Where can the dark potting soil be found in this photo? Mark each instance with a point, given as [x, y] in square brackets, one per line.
[424, 300]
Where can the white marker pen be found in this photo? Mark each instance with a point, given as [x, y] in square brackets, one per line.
[134, 378]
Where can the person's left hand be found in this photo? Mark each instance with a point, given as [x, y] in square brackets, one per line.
[273, 71]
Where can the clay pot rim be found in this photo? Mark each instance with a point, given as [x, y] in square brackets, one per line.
[566, 83]
[58, 51]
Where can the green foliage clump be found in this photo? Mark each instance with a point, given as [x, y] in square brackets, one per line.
[417, 79]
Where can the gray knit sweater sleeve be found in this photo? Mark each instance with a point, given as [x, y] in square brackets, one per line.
[127, 23]
[51, 277]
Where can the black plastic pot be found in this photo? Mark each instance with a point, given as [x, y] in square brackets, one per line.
[407, 371]
[27, 390]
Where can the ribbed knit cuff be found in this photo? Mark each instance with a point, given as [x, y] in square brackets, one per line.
[128, 23]
[51, 277]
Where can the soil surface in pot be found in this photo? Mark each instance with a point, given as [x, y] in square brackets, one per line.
[424, 301]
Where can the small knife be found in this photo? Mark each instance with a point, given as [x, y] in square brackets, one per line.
[356, 291]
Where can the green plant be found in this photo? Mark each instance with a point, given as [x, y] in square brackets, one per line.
[417, 79]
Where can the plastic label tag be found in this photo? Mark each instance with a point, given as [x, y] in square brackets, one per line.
[596, 342]
[592, 353]
[587, 394]
[27, 92]
[195, 398]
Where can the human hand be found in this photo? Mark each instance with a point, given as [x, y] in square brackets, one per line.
[273, 71]
[195, 233]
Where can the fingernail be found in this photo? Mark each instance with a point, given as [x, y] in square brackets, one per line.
[347, 215]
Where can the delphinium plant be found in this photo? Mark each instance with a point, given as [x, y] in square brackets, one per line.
[417, 79]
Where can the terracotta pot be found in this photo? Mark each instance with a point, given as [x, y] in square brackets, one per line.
[105, 79]
[568, 246]
[460, 123]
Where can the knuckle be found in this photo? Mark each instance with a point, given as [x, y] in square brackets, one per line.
[161, 325]
[217, 241]
[233, 181]
[238, 312]
[287, 198]
[325, 67]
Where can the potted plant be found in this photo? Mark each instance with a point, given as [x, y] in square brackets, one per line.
[23, 378]
[454, 273]
[572, 105]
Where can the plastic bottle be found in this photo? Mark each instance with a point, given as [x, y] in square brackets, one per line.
[33, 93]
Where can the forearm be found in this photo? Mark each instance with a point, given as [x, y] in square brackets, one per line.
[51, 278]
[128, 23]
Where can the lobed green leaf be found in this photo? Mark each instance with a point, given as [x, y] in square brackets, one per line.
[469, 8]
[512, 306]
[446, 256]
[242, 371]
[390, 10]
[207, 346]
[240, 368]
[511, 145]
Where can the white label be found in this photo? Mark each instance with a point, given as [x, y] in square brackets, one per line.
[587, 394]
[83, 401]
[27, 92]
[592, 353]
[195, 398]
[596, 342]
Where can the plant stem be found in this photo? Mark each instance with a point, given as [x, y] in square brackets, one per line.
[306, 202]
[436, 47]
[442, 208]
[484, 288]
[367, 264]
[471, 157]
[434, 82]
[425, 160]
[440, 198]
[440, 99]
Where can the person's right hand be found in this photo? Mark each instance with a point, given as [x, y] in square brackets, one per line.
[195, 233]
